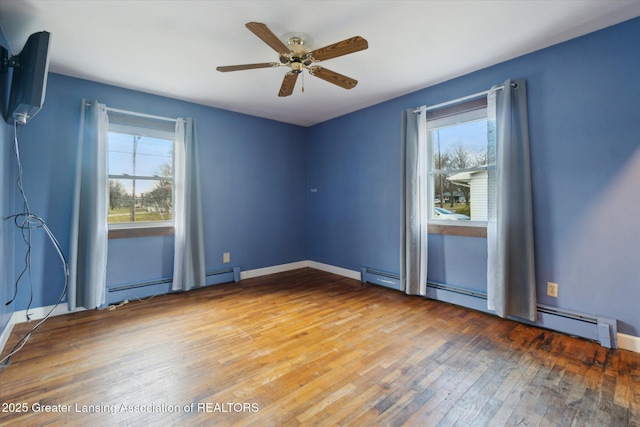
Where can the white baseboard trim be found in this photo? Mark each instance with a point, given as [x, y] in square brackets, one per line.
[249, 274]
[34, 314]
[625, 342]
[335, 270]
[41, 312]
[629, 342]
[4, 337]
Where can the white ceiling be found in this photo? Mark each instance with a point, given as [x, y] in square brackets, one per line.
[172, 48]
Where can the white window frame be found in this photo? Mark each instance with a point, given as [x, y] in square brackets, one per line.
[439, 123]
[151, 133]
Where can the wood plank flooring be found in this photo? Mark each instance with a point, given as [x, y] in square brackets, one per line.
[310, 348]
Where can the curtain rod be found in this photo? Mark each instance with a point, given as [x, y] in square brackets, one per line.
[458, 100]
[147, 116]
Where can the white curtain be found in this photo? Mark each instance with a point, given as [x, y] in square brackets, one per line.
[89, 233]
[511, 289]
[189, 264]
[415, 194]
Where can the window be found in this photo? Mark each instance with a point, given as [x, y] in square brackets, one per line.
[141, 165]
[457, 166]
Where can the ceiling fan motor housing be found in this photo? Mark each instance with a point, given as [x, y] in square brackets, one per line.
[296, 65]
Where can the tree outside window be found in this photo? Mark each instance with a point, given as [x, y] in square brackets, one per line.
[458, 166]
[140, 177]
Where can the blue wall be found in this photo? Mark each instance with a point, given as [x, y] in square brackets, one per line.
[253, 182]
[7, 235]
[585, 152]
[258, 176]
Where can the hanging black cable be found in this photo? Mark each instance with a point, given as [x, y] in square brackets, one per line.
[26, 222]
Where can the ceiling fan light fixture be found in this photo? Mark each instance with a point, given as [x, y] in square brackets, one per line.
[298, 42]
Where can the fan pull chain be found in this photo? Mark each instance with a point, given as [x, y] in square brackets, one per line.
[302, 82]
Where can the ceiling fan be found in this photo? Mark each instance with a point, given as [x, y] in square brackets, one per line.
[297, 55]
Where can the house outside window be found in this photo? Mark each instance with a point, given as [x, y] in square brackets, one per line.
[457, 166]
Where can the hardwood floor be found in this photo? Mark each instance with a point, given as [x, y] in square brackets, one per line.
[310, 348]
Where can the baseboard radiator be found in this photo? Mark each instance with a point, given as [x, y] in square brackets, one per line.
[596, 328]
[160, 286]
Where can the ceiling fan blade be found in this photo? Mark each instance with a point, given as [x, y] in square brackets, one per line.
[354, 44]
[265, 34]
[288, 84]
[333, 77]
[247, 66]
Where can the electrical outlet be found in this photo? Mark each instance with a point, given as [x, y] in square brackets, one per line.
[552, 289]
[226, 257]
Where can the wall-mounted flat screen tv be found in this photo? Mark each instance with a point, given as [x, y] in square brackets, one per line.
[29, 80]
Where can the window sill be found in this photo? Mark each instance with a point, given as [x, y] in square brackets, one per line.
[457, 230]
[123, 233]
